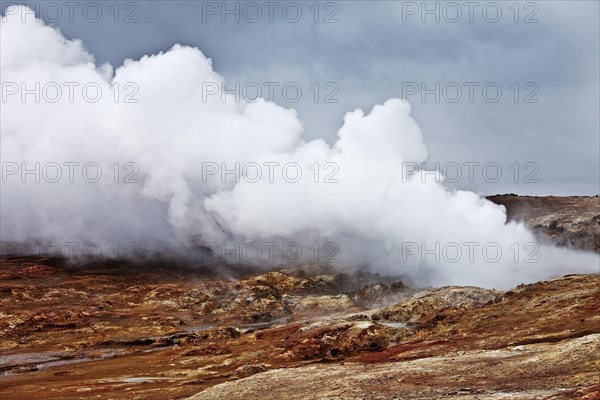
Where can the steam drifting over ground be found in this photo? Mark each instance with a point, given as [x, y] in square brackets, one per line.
[171, 140]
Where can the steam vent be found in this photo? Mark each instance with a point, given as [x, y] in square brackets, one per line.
[298, 200]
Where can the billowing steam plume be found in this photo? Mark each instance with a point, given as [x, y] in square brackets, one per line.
[176, 142]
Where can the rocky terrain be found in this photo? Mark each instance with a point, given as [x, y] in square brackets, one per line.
[565, 221]
[125, 330]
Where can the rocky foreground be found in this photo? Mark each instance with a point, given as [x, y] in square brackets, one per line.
[129, 333]
[116, 330]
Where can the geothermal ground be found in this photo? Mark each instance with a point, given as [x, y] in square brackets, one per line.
[116, 330]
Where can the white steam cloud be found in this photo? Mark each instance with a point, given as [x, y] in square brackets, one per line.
[374, 214]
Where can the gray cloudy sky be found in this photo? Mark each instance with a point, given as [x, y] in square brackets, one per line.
[542, 55]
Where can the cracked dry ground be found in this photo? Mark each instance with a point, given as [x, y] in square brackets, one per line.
[121, 331]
